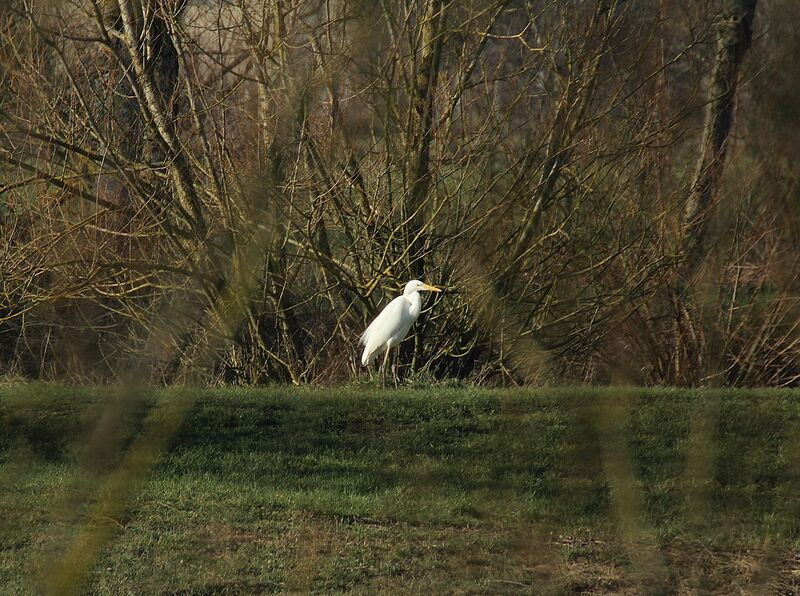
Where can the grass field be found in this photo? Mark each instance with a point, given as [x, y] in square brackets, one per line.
[439, 490]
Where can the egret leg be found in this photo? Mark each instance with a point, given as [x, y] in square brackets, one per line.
[394, 368]
[383, 366]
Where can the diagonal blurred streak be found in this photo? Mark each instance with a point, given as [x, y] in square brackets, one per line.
[103, 518]
[529, 357]
[69, 574]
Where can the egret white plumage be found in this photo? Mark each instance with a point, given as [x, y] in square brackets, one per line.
[391, 326]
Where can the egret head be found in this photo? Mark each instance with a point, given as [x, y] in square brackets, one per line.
[416, 285]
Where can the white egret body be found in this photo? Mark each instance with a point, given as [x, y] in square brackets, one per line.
[391, 326]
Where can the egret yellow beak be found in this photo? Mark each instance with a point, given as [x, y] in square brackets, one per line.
[431, 288]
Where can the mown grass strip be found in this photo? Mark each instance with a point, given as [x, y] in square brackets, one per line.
[611, 416]
[434, 489]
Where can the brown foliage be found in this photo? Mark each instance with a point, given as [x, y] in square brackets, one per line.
[193, 190]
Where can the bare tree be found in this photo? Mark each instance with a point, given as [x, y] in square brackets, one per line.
[230, 190]
[735, 32]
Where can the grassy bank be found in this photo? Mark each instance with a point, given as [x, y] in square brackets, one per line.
[457, 490]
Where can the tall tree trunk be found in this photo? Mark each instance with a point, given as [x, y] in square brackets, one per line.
[419, 147]
[734, 39]
[735, 36]
[154, 64]
[422, 136]
[273, 152]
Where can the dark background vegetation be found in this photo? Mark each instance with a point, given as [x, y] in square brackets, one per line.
[228, 191]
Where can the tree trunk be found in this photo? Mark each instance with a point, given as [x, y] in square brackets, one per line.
[422, 136]
[419, 147]
[273, 150]
[735, 36]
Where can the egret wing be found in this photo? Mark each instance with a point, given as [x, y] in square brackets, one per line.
[365, 336]
[385, 324]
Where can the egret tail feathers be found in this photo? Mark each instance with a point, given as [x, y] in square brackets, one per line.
[368, 356]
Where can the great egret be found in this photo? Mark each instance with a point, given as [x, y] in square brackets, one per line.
[390, 327]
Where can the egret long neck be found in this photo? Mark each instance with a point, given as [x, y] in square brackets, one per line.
[416, 304]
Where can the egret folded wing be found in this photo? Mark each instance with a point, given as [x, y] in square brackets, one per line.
[385, 326]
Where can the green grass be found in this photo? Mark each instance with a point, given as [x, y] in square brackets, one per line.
[442, 490]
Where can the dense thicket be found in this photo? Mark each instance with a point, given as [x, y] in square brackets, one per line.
[229, 190]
